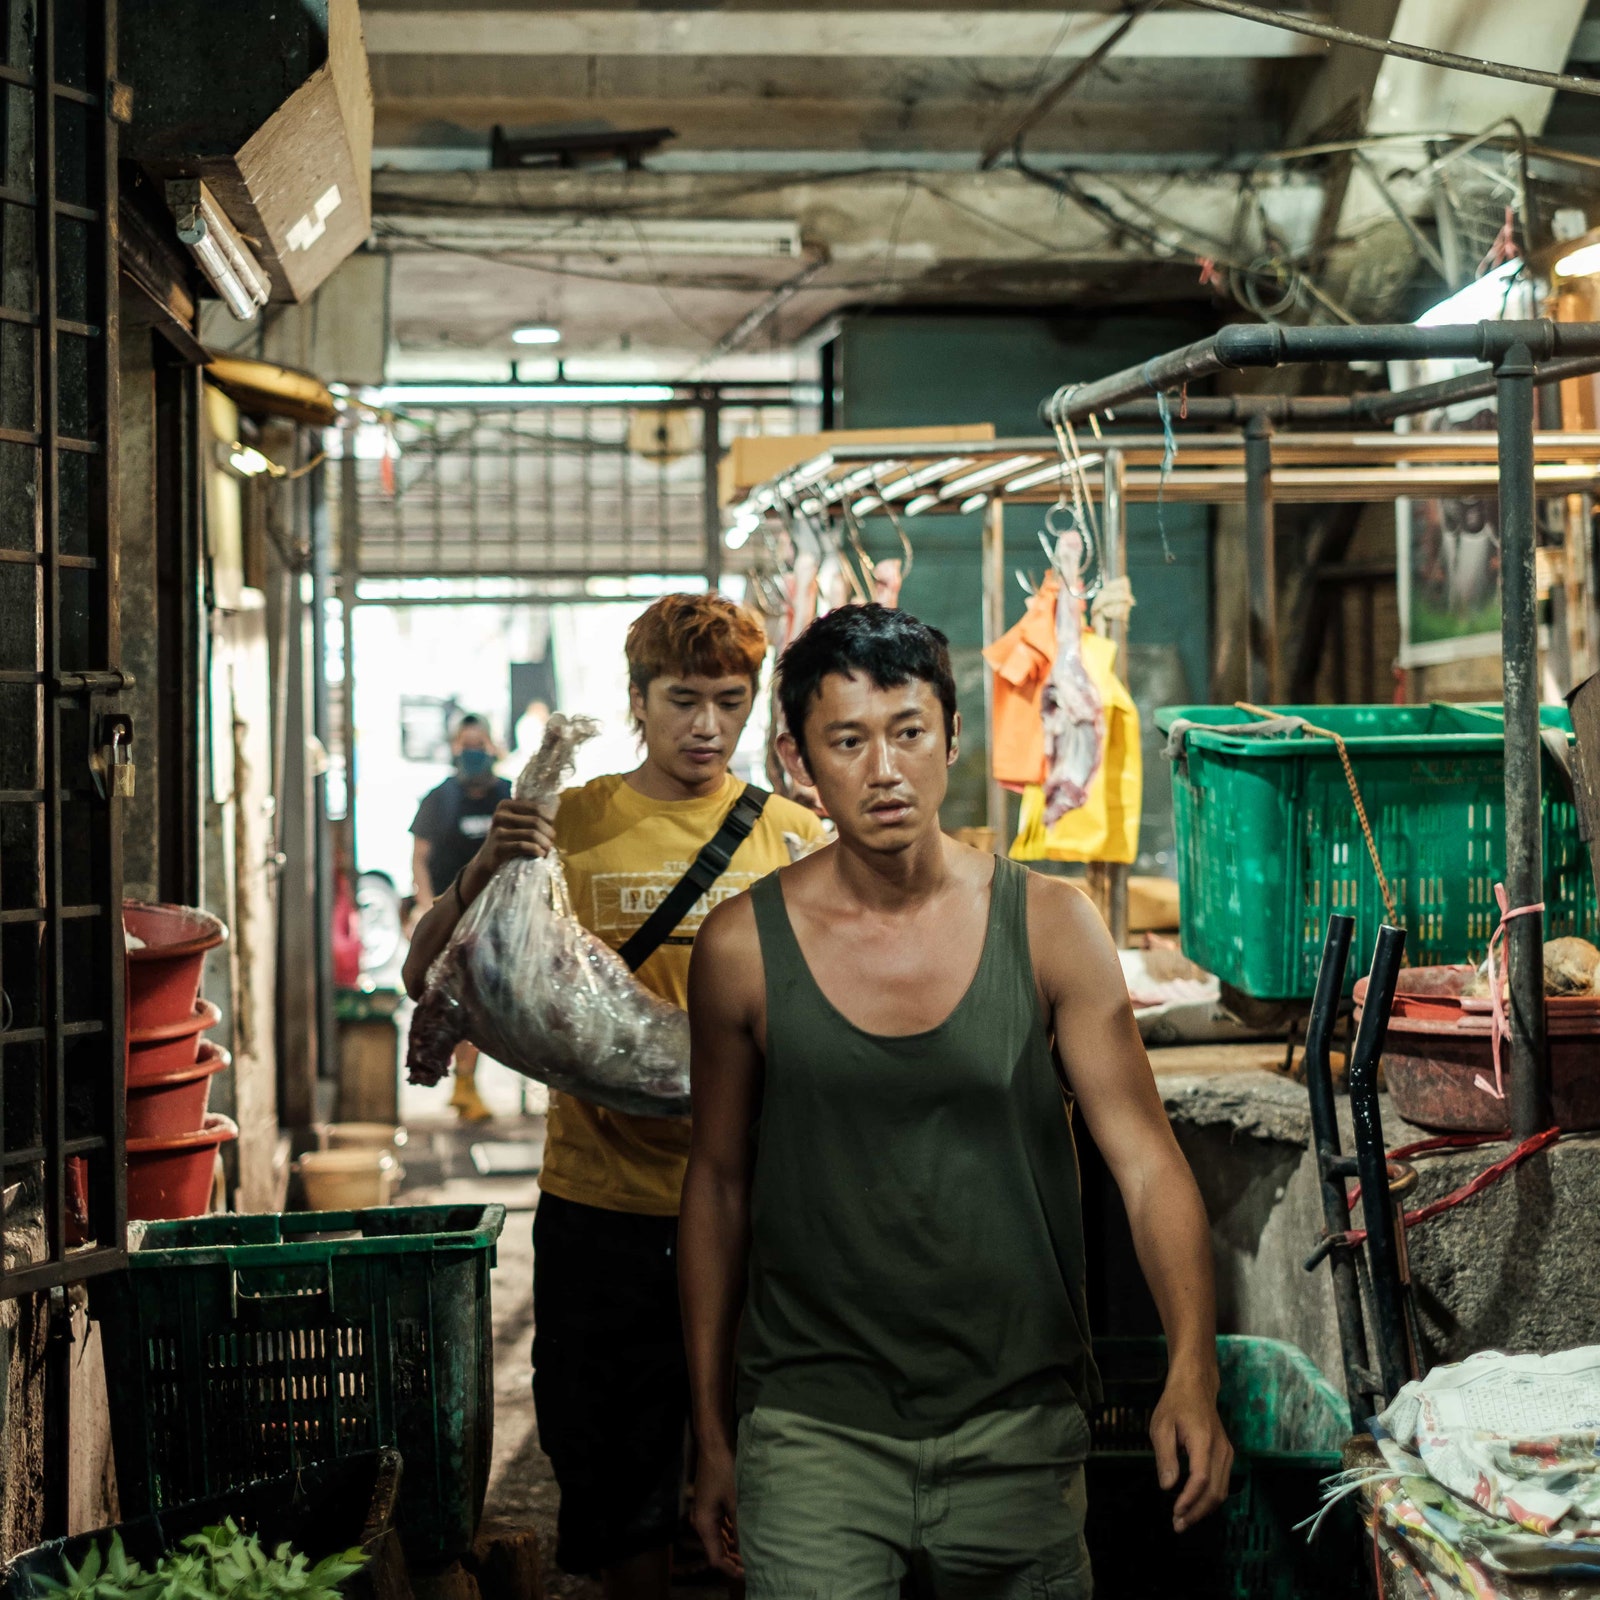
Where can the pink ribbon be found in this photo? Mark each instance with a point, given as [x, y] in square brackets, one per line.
[1499, 1026]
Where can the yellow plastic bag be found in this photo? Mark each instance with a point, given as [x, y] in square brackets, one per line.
[1106, 826]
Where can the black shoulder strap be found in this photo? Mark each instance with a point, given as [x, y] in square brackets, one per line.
[703, 871]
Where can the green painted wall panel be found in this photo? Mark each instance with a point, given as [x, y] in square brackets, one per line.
[917, 369]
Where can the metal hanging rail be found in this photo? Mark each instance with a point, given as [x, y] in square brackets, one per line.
[1516, 463]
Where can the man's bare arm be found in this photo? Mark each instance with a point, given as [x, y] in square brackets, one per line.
[725, 992]
[1105, 1061]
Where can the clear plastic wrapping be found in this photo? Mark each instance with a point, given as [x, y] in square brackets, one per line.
[528, 984]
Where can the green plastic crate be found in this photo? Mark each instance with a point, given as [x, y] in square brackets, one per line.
[238, 1348]
[1287, 1424]
[1268, 842]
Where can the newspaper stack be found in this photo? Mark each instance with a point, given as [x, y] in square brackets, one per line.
[1494, 1467]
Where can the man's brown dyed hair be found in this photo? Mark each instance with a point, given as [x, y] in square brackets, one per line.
[695, 635]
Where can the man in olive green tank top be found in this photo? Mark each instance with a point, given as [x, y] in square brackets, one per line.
[881, 1251]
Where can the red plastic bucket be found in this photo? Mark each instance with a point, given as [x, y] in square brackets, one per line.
[164, 976]
[171, 1177]
[175, 1102]
[158, 1052]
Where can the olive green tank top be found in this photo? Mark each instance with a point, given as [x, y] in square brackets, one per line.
[916, 1248]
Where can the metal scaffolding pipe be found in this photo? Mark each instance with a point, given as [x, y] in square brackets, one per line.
[1260, 539]
[1524, 942]
[1247, 345]
[1378, 406]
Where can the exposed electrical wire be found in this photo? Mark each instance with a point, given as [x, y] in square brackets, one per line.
[1334, 34]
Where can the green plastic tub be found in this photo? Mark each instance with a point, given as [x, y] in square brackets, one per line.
[1268, 842]
[1288, 1425]
[239, 1348]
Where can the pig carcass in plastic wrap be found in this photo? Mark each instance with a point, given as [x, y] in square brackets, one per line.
[528, 984]
[1074, 714]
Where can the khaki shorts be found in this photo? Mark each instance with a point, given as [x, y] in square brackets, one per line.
[992, 1511]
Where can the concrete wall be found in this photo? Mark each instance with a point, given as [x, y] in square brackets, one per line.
[1512, 1268]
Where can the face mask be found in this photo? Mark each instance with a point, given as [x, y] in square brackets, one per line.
[474, 763]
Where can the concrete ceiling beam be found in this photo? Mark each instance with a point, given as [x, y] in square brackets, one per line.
[1032, 35]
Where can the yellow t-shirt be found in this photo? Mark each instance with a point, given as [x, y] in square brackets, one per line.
[623, 852]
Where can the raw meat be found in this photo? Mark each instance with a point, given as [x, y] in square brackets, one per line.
[528, 984]
[1074, 715]
[1570, 966]
[886, 578]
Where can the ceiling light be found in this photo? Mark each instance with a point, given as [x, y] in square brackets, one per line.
[921, 504]
[536, 336]
[523, 394]
[1580, 262]
[216, 245]
[975, 502]
[868, 502]
[248, 460]
[603, 236]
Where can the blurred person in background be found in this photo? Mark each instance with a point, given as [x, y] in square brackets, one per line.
[450, 826]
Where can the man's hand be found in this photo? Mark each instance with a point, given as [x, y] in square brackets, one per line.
[1187, 1416]
[519, 828]
[716, 1510]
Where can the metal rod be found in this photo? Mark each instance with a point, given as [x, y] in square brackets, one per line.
[1311, 26]
[349, 577]
[711, 460]
[1378, 406]
[1332, 1168]
[322, 855]
[994, 624]
[1260, 528]
[1114, 564]
[1383, 1255]
[1245, 345]
[1530, 1067]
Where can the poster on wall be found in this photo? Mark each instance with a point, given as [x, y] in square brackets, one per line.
[1448, 551]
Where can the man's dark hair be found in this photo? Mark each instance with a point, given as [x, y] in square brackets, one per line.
[469, 719]
[889, 647]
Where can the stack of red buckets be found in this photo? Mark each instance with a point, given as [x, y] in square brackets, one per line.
[172, 1139]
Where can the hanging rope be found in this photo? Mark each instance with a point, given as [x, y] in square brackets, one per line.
[1499, 1026]
[1355, 796]
[1169, 454]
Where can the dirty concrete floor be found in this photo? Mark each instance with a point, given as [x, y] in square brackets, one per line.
[522, 1492]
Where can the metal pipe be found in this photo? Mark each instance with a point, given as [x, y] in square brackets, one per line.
[1378, 406]
[710, 461]
[994, 624]
[1114, 564]
[1315, 28]
[1332, 1170]
[318, 541]
[1383, 1254]
[1245, 345]
[1530, 1067]
[349, 577]
[1260, 528]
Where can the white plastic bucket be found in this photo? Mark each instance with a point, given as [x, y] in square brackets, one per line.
[347, 1180]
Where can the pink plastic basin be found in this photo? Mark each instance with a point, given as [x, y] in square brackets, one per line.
[175, 1103]
[171, 1177]
[164, 976]
[156, 1052]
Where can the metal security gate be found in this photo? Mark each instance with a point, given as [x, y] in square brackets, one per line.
[547, 490]
[551, 490]
[63, 753]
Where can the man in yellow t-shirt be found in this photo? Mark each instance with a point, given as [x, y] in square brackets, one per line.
[610, 1383]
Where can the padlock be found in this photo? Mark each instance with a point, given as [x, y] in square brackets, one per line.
[122, 767]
